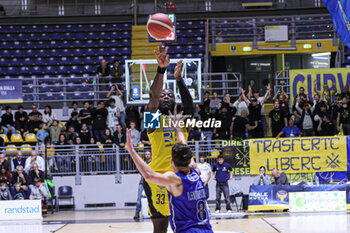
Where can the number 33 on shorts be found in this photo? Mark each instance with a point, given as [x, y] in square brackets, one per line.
[158, 201]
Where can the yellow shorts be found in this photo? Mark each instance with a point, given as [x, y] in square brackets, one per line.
[158, 202]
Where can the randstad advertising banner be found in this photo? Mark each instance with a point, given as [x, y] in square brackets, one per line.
[306, 78]
[299, 155]
[20, 210]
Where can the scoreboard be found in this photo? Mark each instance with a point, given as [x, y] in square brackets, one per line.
[172, 36]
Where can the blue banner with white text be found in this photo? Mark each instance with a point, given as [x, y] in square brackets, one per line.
[11, 91]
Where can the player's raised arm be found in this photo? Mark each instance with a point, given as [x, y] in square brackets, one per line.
[186, 97]
[157, 86]
[168, 178]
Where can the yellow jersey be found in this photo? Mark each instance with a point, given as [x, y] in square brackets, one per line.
[162, 141]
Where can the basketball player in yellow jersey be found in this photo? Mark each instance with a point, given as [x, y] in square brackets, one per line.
[163, 139]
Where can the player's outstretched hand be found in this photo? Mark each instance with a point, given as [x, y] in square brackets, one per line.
[177, 70]
[175, 118]
[162, 56]
[129, 144]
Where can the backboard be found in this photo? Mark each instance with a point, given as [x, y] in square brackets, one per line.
[139, 76]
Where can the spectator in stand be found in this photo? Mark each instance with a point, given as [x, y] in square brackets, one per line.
[133, 114]
[193, 134]
[35, 119]
[326, 94]
[21, 120]
[34, 158]
[75, 108]
[206, 103]
[103, 69]
[205, 170]
[49, 115]
[304, 97]
[148, 159]
[277, 120]
[206, 115]
[325, 126]
[42, 134]
[5, 175]
[99, 120]
[255, 113]
[18, 193]
[283, 100]
[85, 116]
[39, 192]
[55, 131]
[73, 122]
[117, 72]
[5, 194]
[222, 172]
[306, 120]
[7, 123]
[227, 103]
[113, 115]
[145, 140]
[135, 134]
[5, 162]
[344, 117]
[94, 150]
[241, 105]
[63, 150]
[21, 178]
[119, 104]
[108, 141]
[84, 134]
[50, 153]
[335, 107]
[290, 131]
[70, 136]
[279, 178]
[262, 178]
[214, 104]
[226, 120]
[18, 161]
[120, 136]
[36, 173]
[239, 126]
[108, 138]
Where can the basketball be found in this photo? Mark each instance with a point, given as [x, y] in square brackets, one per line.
[159, 26]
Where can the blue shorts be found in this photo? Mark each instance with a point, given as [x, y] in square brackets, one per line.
[198, 230]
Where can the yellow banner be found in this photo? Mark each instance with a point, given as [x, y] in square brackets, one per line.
[306, 78]
[299, 155]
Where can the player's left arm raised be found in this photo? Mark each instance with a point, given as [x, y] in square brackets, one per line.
[186, 97]
[168, 178]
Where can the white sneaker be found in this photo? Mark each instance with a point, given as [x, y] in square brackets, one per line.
[229, 211]
[217, 211]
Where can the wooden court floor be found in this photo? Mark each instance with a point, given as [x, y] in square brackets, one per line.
[115, 221]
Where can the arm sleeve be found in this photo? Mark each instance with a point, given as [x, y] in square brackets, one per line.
[256, 180]
[267, 180]
[186, 98]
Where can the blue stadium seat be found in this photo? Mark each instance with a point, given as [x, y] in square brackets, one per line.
[27, 61]
[28, 97]
[30, 53]
[90, 43]
[34, 29]
[18, 53]
[178, 55]
[101, 52]
[123, 58]
[200, 32]
[189, 32]
[55, 36]
[5, 53]
[59, 28]
[101, 43]
[199, 40]
[39, 61]
[54, 53]
[90, 95]
[53, 44]
[80, 27]
[62, 70]
[92, 27]
[66, 44]
[24, 70]
[189, 49]
[114, 43]
[115, 35]
[16, 45]
[126, 42]
[57, 87]
[67, 36]
[64, 61]
[77, 95]
[126, 27]
[32, 37]
[44, 36]
[66, 52]
[85, 87]
[91, 36]
[115, 27]
[3, 62]
[78, 52]
[42, 53]
[113, 51]
[43, 87]
[88, 69]
[49, 96]
[36, 70]
[15, 62]
[20, 36]
[60, 96]
[90, 52]
[70, 28]
[200, 55]
[11, 70]
[80, 36]
[70, 86]
[126, 51]
[50, 70]
[88, 60]
[103, 35]
[77, 43]
[75, 69]
[178, 49]
[40, 45]
[4, 45]
[52, 61]
[1, 70]
[76, 61]
[182, 40]
[126, 34]
[200, 49]
[29, 45]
